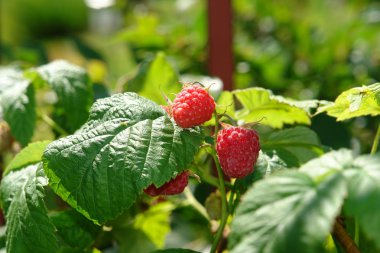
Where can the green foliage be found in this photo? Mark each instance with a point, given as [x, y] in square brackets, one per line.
[17, 103]
[362, 175]
[355, 102]
[281, 211]
[148, 230]
[29, 155]
[294, 146]
[260, 104]
[115, 154]
[74, 229]
[155, 78]
[72, 86]
[28, 226]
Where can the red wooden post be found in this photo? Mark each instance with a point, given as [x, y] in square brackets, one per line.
[220, 55]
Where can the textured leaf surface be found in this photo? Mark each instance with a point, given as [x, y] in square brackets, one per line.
[128, 143]
[294, 146]
[356, 102]
[155, 78]
[261, 104]
[18, 104]
[74, 229]
[287, 210]
[29, 155]
[28, 226]
[72, 86]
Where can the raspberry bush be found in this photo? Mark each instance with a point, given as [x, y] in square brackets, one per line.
[125, 172]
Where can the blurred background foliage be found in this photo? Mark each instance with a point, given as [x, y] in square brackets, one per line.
[299, 49]
[303, 49]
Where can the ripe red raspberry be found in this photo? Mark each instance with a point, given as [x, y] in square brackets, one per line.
[174, 186]
[238, 149]
[193, 106]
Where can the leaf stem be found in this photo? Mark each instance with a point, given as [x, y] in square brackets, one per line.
[52, 123]
[194, 203]
[222, 190]
[344, 238]
[376, 141]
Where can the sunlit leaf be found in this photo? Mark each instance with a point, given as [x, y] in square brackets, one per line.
[287, 211]
[355, 102]
[260, 104]
[155, 78]
[29, 155]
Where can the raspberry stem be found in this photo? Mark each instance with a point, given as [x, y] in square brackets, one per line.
[376, 141]
[222, 190]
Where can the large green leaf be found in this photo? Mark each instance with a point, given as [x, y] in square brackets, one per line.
[261, 104]
[155, 78]
[363, 180]
[355, 102]
[29, 228]
[30, 155]
[148, 230]
[294, 146]
[72, 86]
[17, 103]
[128, 143]
[287, 212]
[364, 194]
[74, 229]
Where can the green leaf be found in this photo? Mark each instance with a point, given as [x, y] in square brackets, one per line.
[261, 104]
[72, 86]
[128, 143]
[29, 228]
[287, 209]
[17, 103]
[363, 180]
[294, 146]
[149, 230]
[74, 229]
[364, 193]
[355, 102]
[155, 223]
[29, 155]
[155, 78]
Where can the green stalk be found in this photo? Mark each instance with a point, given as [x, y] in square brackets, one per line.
[52, 124]
[376, 141]
[222, 190]
[195, 204]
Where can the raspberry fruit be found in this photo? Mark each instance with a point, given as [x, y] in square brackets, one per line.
[174, 186]
[238, 149]
[193, 106]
